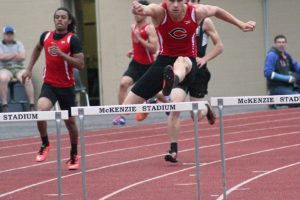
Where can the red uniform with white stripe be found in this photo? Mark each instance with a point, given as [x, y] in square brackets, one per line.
[178, 38]
[58, 72]
[140, 53]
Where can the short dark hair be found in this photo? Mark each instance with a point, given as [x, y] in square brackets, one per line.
[195, 1]
[144, 2]
[279, 37]
[72, 26]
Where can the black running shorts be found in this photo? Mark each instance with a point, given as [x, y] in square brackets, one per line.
[199, 85]
[136, 70]
[152, 81]
[64, 96]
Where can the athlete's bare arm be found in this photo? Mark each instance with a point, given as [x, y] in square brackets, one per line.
[203, 11]
[151, 43]
[210, 29]
[155, 11]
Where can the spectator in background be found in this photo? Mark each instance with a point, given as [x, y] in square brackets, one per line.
[12, 55]
[281, 70]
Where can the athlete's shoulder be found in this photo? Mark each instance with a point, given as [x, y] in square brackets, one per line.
[75, 44]
[149, 27]
[75, 38]
[43, 36]
[200, 11]
[132, 26]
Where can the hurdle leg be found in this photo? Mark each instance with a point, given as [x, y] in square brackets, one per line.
[197, 154]
[82, 148]
[220, 108]
[58, 150]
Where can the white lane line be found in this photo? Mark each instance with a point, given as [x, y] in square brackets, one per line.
[186, 169]
[189, 131]
[243, 189]
[185, 184]
[90, 144]
[145, 129]
[55, 195]
[150, 145]
[86, 136]
[138, 160]
[186, 164]
[236, 187]
[259, 172]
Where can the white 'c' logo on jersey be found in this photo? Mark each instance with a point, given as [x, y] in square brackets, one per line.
[178, 33]
[50, 51]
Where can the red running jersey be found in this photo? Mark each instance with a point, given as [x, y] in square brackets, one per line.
[140, 53]
[178, 38]
[57, 71]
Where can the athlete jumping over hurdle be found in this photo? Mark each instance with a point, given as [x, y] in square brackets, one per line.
[176, 23]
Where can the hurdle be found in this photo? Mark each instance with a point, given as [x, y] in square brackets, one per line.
[42, 116]
[222, 102]
[81, 112]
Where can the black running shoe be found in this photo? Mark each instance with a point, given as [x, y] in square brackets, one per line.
[171, 157]
[211, 117]
[152, 100]
[168, 81]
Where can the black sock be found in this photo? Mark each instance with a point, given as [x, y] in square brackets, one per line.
[31, 107]
[45, 141]
[176, 81]
[174, 147]
[4, 108]
[73, 149]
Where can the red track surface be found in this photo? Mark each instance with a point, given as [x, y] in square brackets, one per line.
[262, 160]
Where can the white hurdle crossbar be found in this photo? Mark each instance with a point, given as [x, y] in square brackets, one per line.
[220, 102]
[133, 109]
[42, 116]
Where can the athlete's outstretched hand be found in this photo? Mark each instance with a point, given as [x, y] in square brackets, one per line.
[137, 8]
[248, 26]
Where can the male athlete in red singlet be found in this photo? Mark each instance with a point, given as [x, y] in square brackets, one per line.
[144, 46]
[176, 23]
[63, 52]
[142, 32]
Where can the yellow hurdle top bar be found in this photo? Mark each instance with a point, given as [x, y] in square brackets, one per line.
[32, 116]
[138, 108]
[255, 100]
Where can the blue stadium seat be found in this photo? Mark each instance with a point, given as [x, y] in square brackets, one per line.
[17, 101]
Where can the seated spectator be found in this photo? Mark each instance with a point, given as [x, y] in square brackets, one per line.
[12, 55]
[281, 70]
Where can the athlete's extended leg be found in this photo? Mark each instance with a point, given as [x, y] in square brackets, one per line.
[132, 98]
[206, 112]
[177, 95]
[43, 104]
[174, 75]
[125, 83]
[73, 163]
